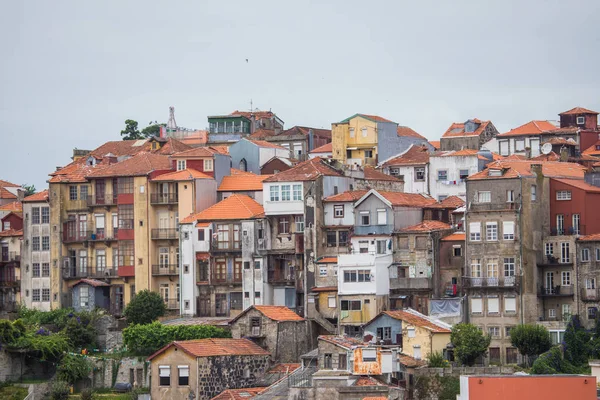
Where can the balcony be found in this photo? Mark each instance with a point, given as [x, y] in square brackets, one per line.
[163, 198]
[590, 294]
[555, 291]
[551, 261]
[172, 304]
[74, 232]
[504, 282]
[225, 246]
[79, 271]
[502, 206]
[165, 234]
[568, 231]
[102, 201]
[11, 256]
[103, 234]
[411, 283]
[281, 276]
[7, 282]
[165, 269]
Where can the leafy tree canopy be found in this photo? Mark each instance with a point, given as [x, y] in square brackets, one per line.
[145, 307]
[29, 189]
[469, 343]
[132, 132]
[530, 339]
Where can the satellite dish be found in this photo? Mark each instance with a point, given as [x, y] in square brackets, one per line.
[547, 148]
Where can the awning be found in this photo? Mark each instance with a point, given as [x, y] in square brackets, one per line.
[202, 256]
[202, 224]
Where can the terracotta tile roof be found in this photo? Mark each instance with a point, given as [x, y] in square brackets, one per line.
[197, 138]
[561, 140]
[515, 157]
[256, 114]
[518, 168]
[11, 233]
[415, 318]
[202, 224]
[6, 194]
[262, 134]
[368, 381]
[239, 394]
[120, 148]
[284, 368]
[458, 129]
[235, 171]
[593, 149]
[580, 184]
[236, 206]
[346, 196]
[435, 143]
[139, 165]
[278, 313]
[400, 199]
[530, 128]
[188, 174]
[74, 172]
[455, 237]
[15, 206]
[405, 131]
[578, 110]
[415, 155]
[327, 260]
[409, 361]
[216, 347]
[346, 342]
[552, 156]
[455, 153]
[590, 238]
[308, 170]
[304, 130]
[324, 289]
[371, 174]
[173, 146]
[242, 183]
[92, 282]
[40, 196]
[195, 152]
[221, 149]
[452, 202]
[326, 148]
[262, 143]
[426, 226]
[374, 118]
[375, 398]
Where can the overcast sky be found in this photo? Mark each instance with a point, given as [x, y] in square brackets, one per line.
[71, 72]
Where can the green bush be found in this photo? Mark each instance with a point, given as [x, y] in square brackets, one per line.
[530, 339]
[145, 307]
[146, 339]
[577, 343]
[57, 317]
[469, 343]
[73, 368]
[60, 390]
[436, 360]
[80, 330]
[47, 345]
[87, 394]
[436, 387]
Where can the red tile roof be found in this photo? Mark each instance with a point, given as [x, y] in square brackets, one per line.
[278, 313]
[239, 394]
[139, 165]
[400, 199]
[561, 140]
[197, 138]
[595, 237]
[346, 196]
[552, 156]
[517, 168]
[195, 152]
[173, 146]
[92, 282]
[220, 149]
[371, 174]
[40, 196]
[452, 201]
[368, 381]
[235, 171]
[346, 342]
[435, 143]
[242, 183]
[11, 233]
[262, 143]
[455, 153]
[326, 148]
[4, 193]
[284, 368]
[188, 174]
[74, 172]
[215, 348]
[415, 318]
[415, 155]
[304, 130]
[455, 237]
[14, 206]
[578, 110]
[580, 184]
[256, 115]
[592, 149]
[262, 134]
[405, 131]
[409, 361]
[458, 129]
[426, 226]
[530, 128]
[327, 260]
[308, 170]
[236, 207]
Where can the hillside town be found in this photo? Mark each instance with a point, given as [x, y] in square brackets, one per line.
[359, 262]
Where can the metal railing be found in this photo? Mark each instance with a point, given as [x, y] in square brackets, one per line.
[164, 233]
[172, 304]
[568, 231]
[163, 198]
[559, 290]
[106, 200]
[506, 281]
[11, 256]
[281, 276]
[165, 269]
[303, 378]
[88, 270]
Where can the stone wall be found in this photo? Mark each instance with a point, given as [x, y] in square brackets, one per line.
[458, 371]
[10, 366]
[127, 368]
[109, 333]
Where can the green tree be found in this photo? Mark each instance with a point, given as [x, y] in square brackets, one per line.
[152, 130]
[131, 131]
[531, 340]
[469, 343]
[145, 307]
[577, 343]
[29, 189]
[73, 368]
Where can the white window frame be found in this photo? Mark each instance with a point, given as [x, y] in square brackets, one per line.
[510, 304]
[338, 211]
[519, 145]
[322, 271]
[475, 231]
[351, 131]
[580, 120]
[510, 196]
[208, 164]
[445, 171]
[493, 305]
[565, 278]
[563, 195]
[508, 230]
[549, 249]
[476, 268]
[381, 216]
[585, 255]
[364, 131]
[491, 231]
[297, 192]
[181, 165]
[476, 305]
[274, 193]
[533, 192]
[363, 213]
[484, 196]
[331, 302]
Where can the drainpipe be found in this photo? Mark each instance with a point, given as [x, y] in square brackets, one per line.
[519, 216]
[179, 265]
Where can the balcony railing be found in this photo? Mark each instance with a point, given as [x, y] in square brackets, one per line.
[163, 198]
[103, 234]
[281, 276]
[590, 294]
[73, 231]
[165, 233]
[87, 270]
[10, 282]
[568, 231]
[10, 256]
[172, 304]
[555, 261]
[226, 246]
[503, 282]
[555, 291]
[502, 206]
[165, 269]
[106, 200]
[410, 283]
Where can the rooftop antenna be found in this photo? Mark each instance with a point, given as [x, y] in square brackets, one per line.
[251, 109]
[171, 124]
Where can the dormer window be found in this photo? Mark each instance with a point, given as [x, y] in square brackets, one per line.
[180, 165]
[580, 120]
[155, 145]
[495, 172]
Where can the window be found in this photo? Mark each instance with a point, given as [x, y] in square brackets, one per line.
[476, 268]
[274, 193]
[125, 216]
[560, 224]
[327, 363]
[580, 120]
[457, 250]
[549, 249]
[563, 195]
[350, 305]
[494, 331]
[322, 271]
[351, 132]
[503, 145]
[476, 305]
[509, 266]
[284, 225]
[181, 165]
[46, 295]
[510, 196]
[364, 131]
[565, 254]
[381, 217]
[492, 268]
[208, 164]
[297, 192]
[491, 231]
[164, 374]
[411, 332]
[338, 211]
[556, 337]
[463, 173]
[331, 301]
[72, 192]
[35, 270]
[598, 254]
[84, 296]
[592, 311]
[35, 215]
[533, 193]
[566, 312]
[566, 278]
[510, 304]
[285, 193]
[475, 231]
[507, 330]
[45, 242]
[331, 239]
[353, 275]
[299, 221]
[576, 223]
[493, 305]
[45, 270]
[585, 255]
[35, 243]
[590, 283]
[368, 153]
[508, 230]
[83, 192]
[365, 219]
[442, 175]
[342, 361]
[419, 174]
[381, 247]
[369, 355]
[484, 197]
[201, 235]
[343, 238]
[520, 145]
[35, 295]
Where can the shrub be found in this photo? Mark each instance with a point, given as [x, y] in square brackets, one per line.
[80, 330]
[60, 390]
[73, 368]
[49, 346]
[145, 307]
[577, 343]
[87, 394]
[146, 339]
[469, 343]
[436, 360]
[531, 340]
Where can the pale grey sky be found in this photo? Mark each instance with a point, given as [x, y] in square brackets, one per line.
[71, 72]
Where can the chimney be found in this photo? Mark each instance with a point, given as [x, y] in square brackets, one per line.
[537, 169]
[20, 195]
[564, 154]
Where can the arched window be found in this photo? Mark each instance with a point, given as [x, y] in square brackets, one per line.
[243, 165]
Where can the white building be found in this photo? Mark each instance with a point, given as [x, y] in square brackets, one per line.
[448, 171]
[413, 167]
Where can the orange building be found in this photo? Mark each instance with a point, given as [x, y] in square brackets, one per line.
[527, 387]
